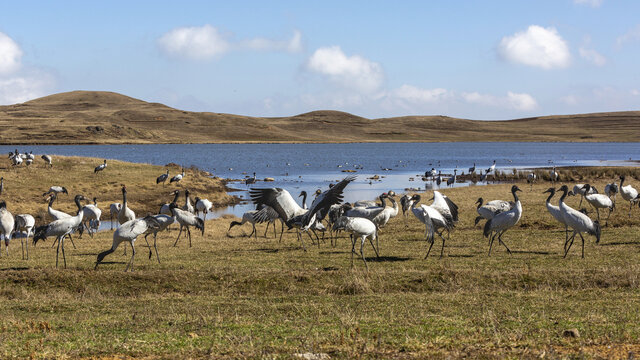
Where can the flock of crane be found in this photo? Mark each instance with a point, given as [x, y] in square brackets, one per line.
[362, 219]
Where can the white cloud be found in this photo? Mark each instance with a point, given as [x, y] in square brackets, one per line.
[537, 46]
[18, 84]
[349, 71]
[18, 89]
[10, 55]
[418, 95]
[592, 3]
[292, 45]
[206, 43]
[570, 100]
[196, 43]
[514, 101]
[592, 56]
[630, 36]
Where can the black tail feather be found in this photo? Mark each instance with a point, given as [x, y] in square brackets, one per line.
[487, 228]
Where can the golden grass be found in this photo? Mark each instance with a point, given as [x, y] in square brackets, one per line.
[24, 185]
[95, 117]
[230, 296]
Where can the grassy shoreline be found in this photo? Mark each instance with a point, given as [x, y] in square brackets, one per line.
[230, 296]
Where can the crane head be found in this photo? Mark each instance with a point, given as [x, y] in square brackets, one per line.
[550, 190]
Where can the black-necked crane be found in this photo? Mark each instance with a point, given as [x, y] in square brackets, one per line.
[358, 228]
[125, 214]
[387, 213]
[247, 217]
[447, 208]
[578, 222]
[47, 160]
[165, 208]
[628, 193]
[56, 190]
[100, 167]
[491, 208]
[578, 189]
[367, 212]
[612, 189]
[556, 213]
[287, 208]
[251, 180]
[177, 178]
[186, 219]
[439, 178]
[492, 167]
[60, 229]
[531, 178]
[163, 223]
[114, 209]
[187, 202]
[405, 202]
[57, 215]
[91, 217]
[599, 201]
[7, 224]
[433, 220]
[554, 176]
[203, 206]
[162, 178]
[472, 170]
[129, 232]
[502, 222]
[452, 180]
[1, 185]
[24, 223]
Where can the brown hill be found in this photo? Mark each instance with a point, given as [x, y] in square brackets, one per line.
[95, 117]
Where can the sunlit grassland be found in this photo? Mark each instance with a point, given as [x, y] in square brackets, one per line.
[233, 296]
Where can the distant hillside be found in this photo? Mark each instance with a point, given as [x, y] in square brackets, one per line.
[95, 117]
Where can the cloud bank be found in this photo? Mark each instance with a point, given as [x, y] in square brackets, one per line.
[352, 71]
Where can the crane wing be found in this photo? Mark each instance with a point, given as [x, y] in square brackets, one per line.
[279, 199]
[322, 203]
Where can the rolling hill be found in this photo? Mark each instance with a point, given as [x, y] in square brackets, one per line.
[96, 117]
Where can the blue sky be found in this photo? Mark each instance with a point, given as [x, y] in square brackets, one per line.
[471, 59]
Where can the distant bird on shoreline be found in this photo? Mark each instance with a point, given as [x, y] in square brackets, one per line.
[162, 178]
[100, 167]
[177, 178]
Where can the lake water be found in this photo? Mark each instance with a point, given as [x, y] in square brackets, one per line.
[298, 167]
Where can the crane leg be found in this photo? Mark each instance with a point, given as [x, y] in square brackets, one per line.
[493, 237]
[582, 244]
[353, 247]
[148, 246]
[178, 238]
[566, 251]
[275, 233]
[155, 246]
[630, 205]
[72, 243]
[133, 254]
[428, 251]
[265, 231]
[22, 247]
[374, 248]
[189, 234]
[301, 241]
[500, 240]
[57, 253]
[281, 231]
[253, 231]
[362, 252]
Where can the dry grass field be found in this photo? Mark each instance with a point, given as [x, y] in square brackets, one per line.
[230, 296]
[94, 117]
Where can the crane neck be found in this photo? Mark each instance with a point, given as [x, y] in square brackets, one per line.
[383, 200]
[515, 196]
[175, 198]
[124, 198]
[550, 196]
[51, 200]
[480, 201]
[564, 195]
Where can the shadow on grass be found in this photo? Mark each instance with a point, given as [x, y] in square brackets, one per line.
[15, 269]
[620, 243]
[532, 252]
[386, 259]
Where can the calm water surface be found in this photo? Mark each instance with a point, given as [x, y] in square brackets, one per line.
[308, 167]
